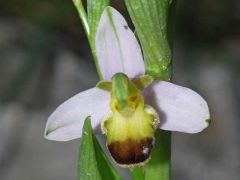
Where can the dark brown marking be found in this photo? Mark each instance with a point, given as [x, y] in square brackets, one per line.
[126, 27]
[133, 98]
[130, 152]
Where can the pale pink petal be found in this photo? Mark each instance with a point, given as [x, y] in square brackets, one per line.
[180, 109]
[66, 122]
[116, 46]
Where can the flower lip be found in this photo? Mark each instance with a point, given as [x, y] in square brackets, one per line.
[131, 153]
[130, 139]
[129, 129]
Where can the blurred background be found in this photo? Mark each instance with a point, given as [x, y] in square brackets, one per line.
[45, 59]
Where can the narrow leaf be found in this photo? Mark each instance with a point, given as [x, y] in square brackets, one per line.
[106, 169]
[95, 9]
[151, 22]
[87, 164]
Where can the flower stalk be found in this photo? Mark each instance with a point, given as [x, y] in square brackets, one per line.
[83, 16]
[90, 22]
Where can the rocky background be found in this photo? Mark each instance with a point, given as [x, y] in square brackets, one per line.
[45, 59]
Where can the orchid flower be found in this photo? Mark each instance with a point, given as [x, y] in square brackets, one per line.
[127, 105]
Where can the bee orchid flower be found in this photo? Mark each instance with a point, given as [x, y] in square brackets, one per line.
[127, 105]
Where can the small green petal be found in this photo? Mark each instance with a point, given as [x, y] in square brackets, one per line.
[104, 85]
[143, 81]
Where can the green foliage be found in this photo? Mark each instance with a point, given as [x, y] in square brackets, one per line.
[95, 9]
[150, 19]
[87, 164]
[106, 169]
[93, 163]
[138, 173]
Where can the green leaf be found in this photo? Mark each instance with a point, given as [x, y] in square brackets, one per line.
[95, 9]
[150, 18]
[159, 167]
[138, 173]
[87, 164]
[93, 163]
[106, 168]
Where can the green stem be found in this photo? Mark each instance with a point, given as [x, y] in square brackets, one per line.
[83, 16]
[90, 22]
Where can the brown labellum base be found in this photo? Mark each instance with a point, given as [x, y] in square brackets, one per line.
[130, 153]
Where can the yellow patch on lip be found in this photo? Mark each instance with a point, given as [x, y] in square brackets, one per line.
[130, 139]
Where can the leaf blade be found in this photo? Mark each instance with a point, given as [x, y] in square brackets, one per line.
[151, 22]
[87, 165]
[95, 9]
[138, 173]
[106, 168]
